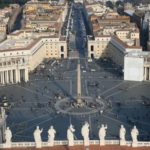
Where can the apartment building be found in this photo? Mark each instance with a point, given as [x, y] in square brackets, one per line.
[25, 49]
[113, 36]
[44, 16]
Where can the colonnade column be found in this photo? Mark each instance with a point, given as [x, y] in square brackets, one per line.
[17, 74]
[145, 73]
[2, 77]
[6, 77]
[26, 74]
[11, 76]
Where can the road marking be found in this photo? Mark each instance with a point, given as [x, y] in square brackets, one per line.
[70, 87]
[111, 88]
[118, 121]
[115, 93]
[86, 88]
[86, 64]
[33, 126]
[32, 91]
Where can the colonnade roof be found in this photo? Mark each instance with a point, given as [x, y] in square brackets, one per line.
[142, 54]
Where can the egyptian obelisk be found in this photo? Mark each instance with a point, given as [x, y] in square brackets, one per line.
[79, 101]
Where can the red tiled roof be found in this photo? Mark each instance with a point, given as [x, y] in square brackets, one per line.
[92, 147]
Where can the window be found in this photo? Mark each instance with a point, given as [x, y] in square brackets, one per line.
[62, 55]
[92, 48]
[92, 55]
[62, 48]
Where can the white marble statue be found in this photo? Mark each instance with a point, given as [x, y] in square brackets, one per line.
[8, 137]
[122, 134]
[102, 134]
[51, 136]
[85, 133]
[134, 134]
[37, 137]
[70, 135]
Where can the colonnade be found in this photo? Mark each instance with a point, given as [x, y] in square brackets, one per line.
[13, 76]
[147, 73]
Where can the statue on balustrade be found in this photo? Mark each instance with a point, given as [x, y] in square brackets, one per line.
[122, 134]
[8, 136]
[134, 134]
[51, 136]
[85, 133]
[102, 134]
[70, 135]
[37, 137]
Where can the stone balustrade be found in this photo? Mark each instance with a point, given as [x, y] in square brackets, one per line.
[77, 142]
[71, 141]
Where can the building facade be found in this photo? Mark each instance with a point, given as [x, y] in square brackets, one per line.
[114, 36]
[40, 39]
[137, 66]
[26, 54]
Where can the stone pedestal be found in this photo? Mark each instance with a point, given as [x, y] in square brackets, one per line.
[70, 143]
[134, 144]
[122, 142]
[38, 145]
[7, 145]
[86, 142]
[51, 143]
[102, 142]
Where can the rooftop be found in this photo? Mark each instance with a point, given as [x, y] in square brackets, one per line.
[60, 2]
[41, 15]
[15, 44]
[142, 54]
